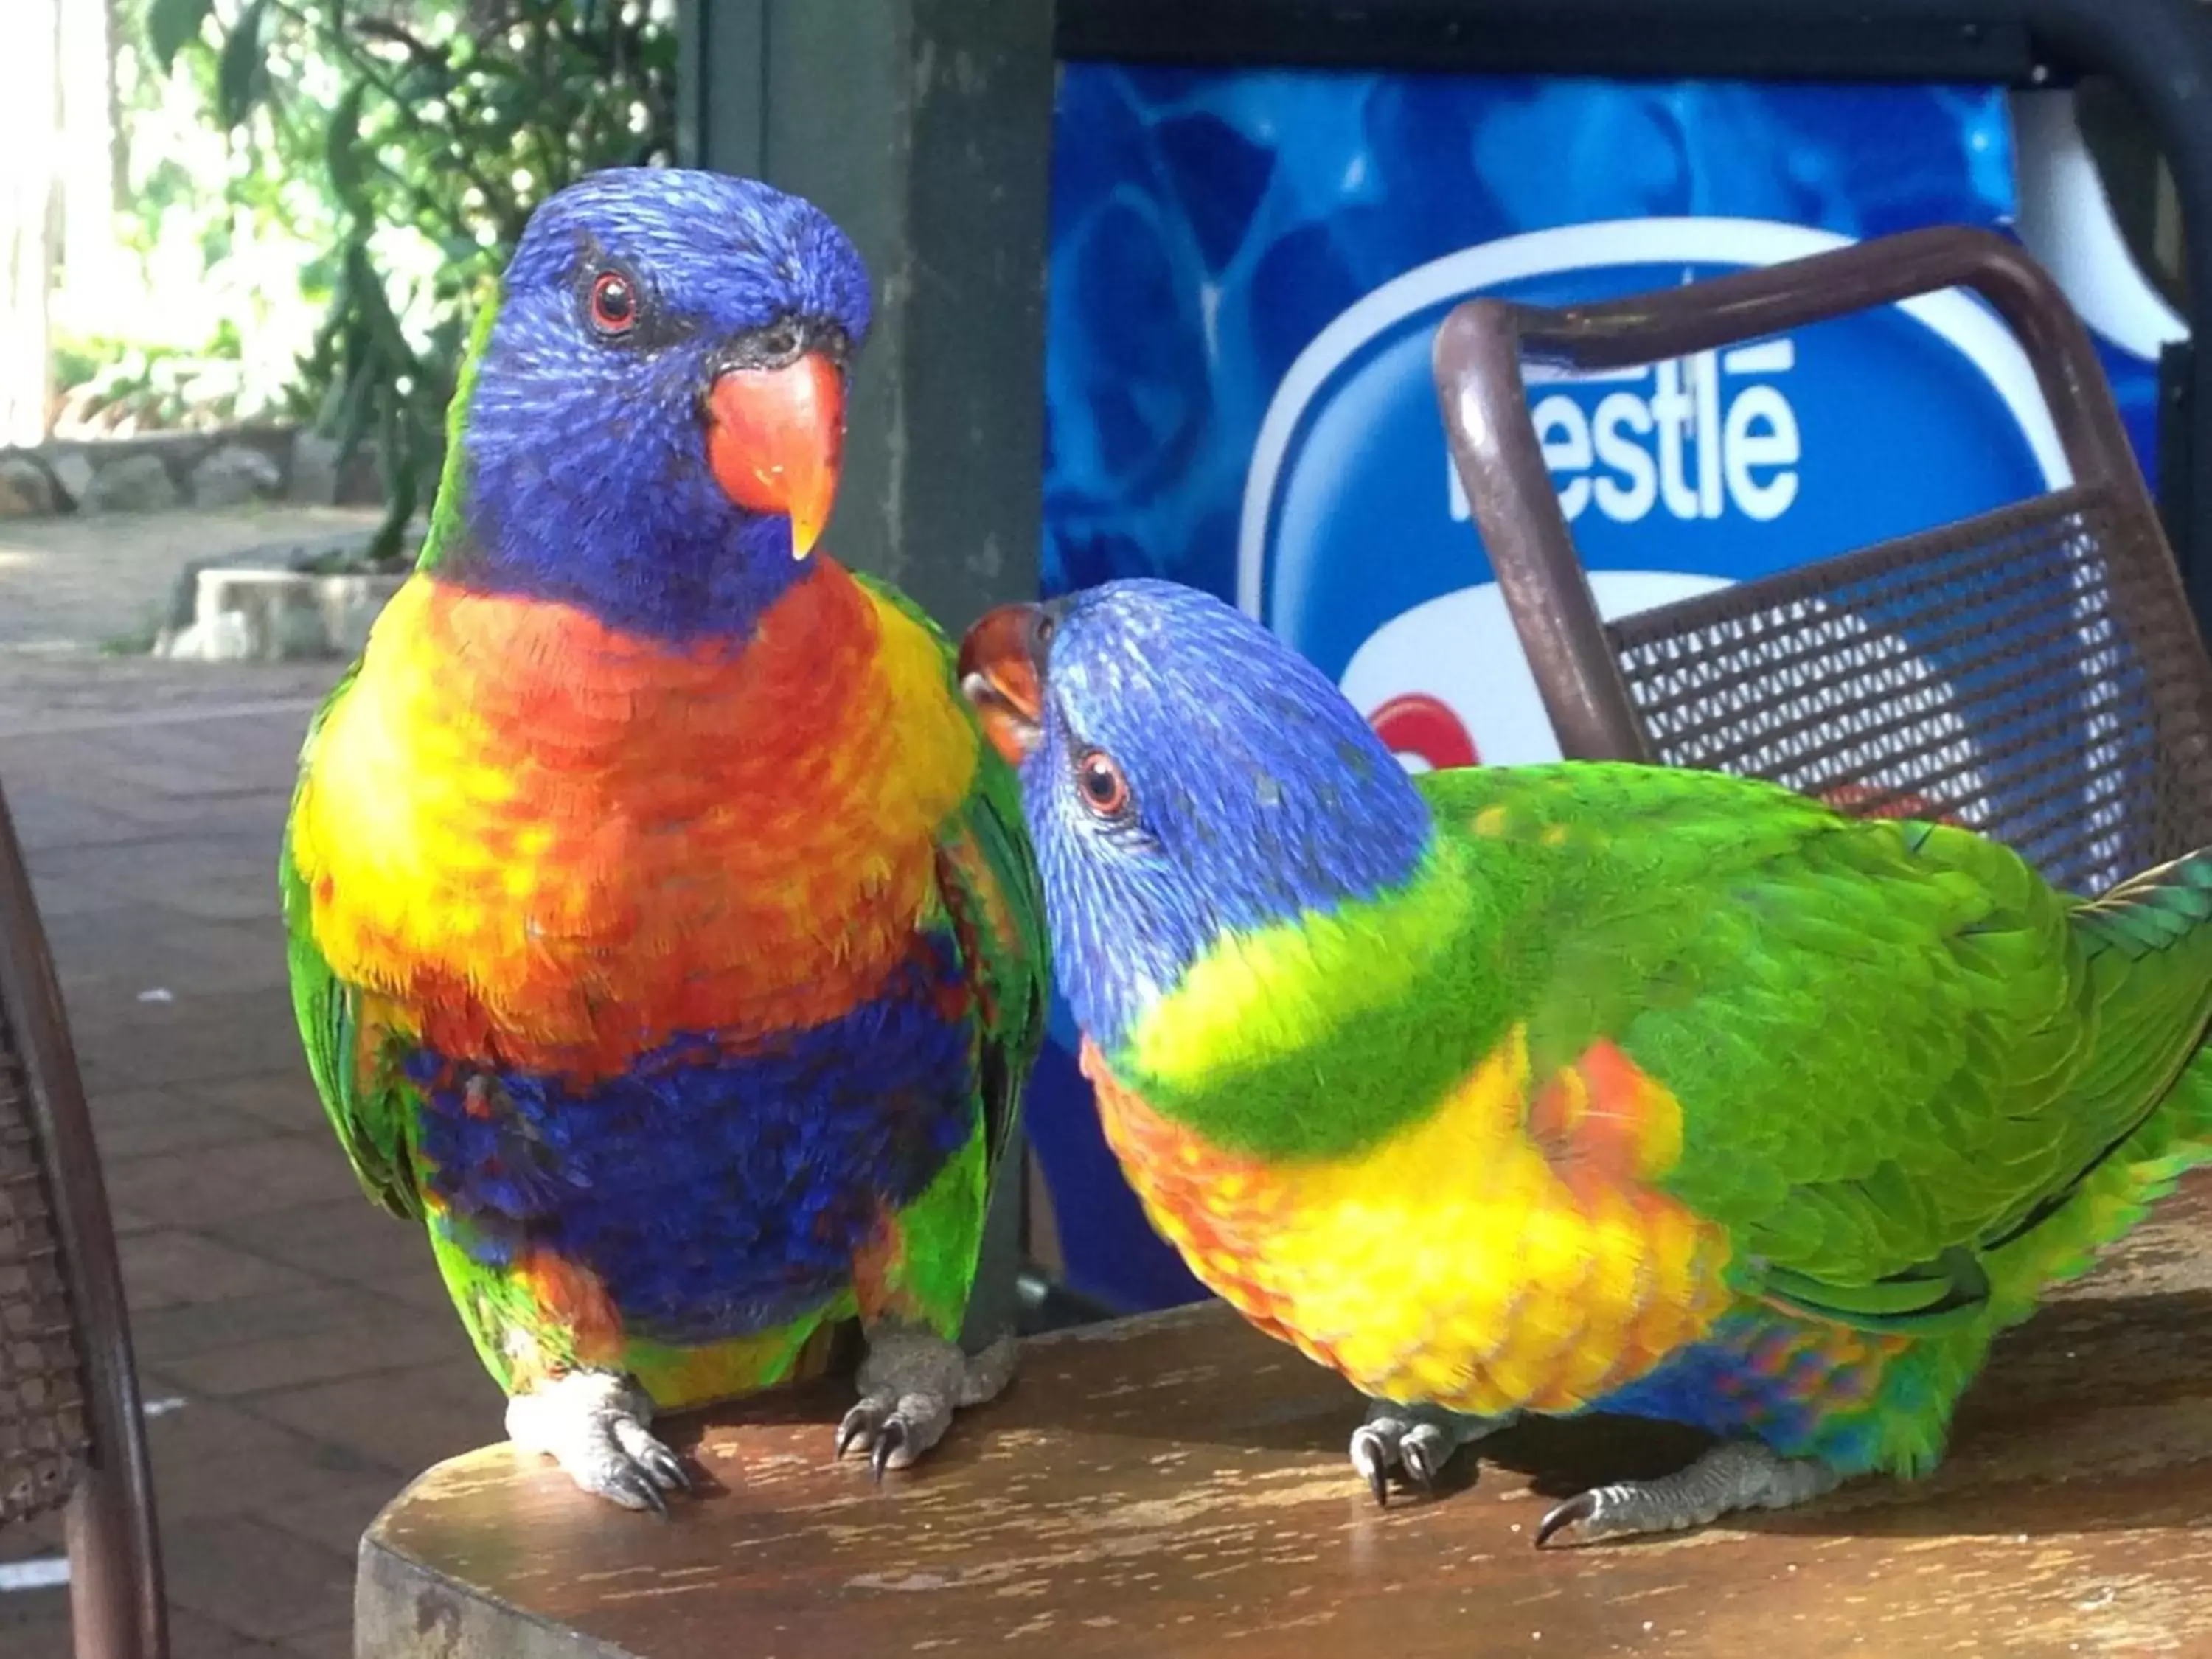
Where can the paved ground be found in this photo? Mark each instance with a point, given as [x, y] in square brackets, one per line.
[303, 1331]
[91, 579]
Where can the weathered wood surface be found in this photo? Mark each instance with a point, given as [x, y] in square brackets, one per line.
[1177, 1484]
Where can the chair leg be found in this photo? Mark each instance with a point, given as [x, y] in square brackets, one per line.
[115, 1599]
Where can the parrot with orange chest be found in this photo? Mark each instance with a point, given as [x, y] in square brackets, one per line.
[1556, 1089]
[663, 934]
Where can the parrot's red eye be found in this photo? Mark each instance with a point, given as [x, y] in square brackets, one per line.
[614, 303]
[1105, 791]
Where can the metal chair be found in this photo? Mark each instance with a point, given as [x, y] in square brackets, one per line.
[2032, 673]
[72, 1434]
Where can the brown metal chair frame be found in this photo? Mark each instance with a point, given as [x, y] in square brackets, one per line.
[115, 1571]
[1578, 658]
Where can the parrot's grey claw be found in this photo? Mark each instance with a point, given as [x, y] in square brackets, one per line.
[594, 1425]
[849, 1432]
[1367, 1457]
[888, 1444]
[1415, 1451]
[1416, 1440]
[1737, 1474]
[667, 1468]
[1575, 1510]
[910, 1383]
[894, 1429]
[644, 1489]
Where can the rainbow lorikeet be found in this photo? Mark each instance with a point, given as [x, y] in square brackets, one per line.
[1554, 1088]
[662, 933]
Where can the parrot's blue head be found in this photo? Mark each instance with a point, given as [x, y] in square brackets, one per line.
[1184, 774]
[655, 425]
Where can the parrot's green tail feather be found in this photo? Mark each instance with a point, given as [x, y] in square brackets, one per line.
[2148, 942]
[2137, 1115]
[2107, 1202]
[2161, 910]
[2147, 945]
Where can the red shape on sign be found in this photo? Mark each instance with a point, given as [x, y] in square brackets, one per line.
[1418, 724]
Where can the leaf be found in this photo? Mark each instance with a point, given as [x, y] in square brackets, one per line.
[170, 25]
[341, 148]
[398, 454]
[242, 73]
[361, 140]
[350, 424]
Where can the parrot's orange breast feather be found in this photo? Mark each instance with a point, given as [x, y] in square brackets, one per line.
[558, 845]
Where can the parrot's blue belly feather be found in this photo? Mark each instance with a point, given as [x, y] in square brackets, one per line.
[714, 1194]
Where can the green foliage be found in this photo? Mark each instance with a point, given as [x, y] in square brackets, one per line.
[170, 24]
[429, 129]
[121, 386]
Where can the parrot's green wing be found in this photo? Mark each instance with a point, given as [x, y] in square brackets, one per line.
[359, 1092]
[1895, 1048]
[988, 883]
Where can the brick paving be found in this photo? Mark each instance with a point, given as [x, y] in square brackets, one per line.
[304, 1331]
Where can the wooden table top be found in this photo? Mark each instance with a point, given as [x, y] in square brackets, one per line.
[1178, 1485]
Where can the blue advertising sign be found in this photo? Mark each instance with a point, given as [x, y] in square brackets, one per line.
[1674, 478]
[1247, 269]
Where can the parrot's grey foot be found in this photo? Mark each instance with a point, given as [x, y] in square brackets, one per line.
[1416, 1441]
[1738, 1475]
[910, 1383]
[594, 1425]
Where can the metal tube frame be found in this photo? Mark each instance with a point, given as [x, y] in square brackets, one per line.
[116, 1601]
[1479, 355]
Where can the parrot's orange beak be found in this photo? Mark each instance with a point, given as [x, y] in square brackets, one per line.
[1002, 673]
[774, 438]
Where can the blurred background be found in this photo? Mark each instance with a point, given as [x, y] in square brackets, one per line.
[275, 211]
